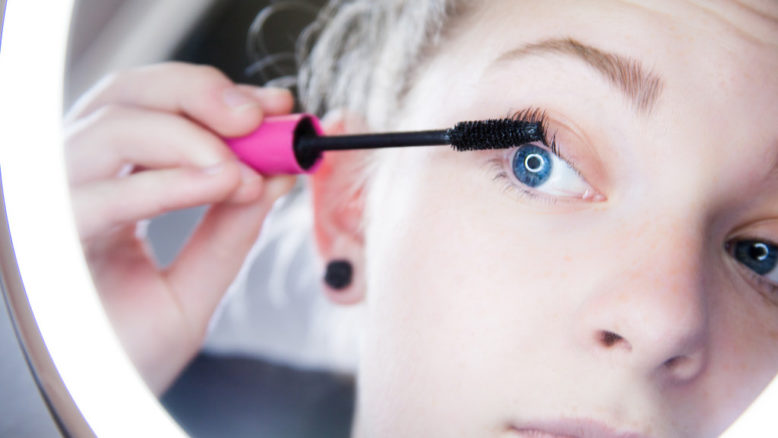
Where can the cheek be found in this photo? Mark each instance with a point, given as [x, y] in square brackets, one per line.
[744, 356]
[460, 282]
[438, 243]
[473, 295]
[444, 237]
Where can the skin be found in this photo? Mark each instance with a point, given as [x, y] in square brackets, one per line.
[486, 312]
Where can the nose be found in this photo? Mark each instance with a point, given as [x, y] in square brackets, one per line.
[650, 310]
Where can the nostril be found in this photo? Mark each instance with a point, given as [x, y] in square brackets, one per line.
[674, 362]
[609, 338]
[684, 368]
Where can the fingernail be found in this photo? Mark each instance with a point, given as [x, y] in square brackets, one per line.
[271, 93]
[238, 100]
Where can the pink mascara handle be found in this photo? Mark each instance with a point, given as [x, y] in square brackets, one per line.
[270, 148]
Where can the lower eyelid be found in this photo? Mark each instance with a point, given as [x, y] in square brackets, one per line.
[765, 286]
[511, 187]
[500, 174]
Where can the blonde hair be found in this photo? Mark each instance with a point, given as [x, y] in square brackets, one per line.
[361, 53]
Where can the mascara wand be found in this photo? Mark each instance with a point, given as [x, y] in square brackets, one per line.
[294, 144]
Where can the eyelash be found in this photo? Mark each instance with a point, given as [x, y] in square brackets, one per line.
[537, 115]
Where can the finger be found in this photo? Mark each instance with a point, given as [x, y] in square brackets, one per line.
[113, 137]
[213, 256]
[105, 205]
[274, 101]
[202, 93]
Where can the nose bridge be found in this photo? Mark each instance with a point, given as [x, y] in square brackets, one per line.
[651, 306]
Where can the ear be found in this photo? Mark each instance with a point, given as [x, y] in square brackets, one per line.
[338, 206]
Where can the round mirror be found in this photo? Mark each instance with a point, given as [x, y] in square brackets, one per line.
[473, 293]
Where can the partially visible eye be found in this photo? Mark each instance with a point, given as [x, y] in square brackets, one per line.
[759, 256]
[543, 171]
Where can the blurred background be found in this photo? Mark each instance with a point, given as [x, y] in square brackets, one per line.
[111, 35]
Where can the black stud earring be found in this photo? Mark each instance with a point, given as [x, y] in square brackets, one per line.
[339, 273]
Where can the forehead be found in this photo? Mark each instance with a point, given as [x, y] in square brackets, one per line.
[723, 54]
[720, 33]
[717, 59]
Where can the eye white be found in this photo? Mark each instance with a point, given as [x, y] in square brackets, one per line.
[563, 181]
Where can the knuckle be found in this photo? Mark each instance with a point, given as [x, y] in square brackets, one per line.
[103, 120]
[76, 130]
[107, 113]
[210, 77]
[172, 66]
[211, 73]
[200, 73]
[104, 123]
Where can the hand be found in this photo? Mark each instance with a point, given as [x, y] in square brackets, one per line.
[145, 142]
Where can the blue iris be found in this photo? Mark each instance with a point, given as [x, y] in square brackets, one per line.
[759, 256]
[532, 165]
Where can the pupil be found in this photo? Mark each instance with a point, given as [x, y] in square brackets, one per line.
[759, 251]
[760, 257]
[532, 165]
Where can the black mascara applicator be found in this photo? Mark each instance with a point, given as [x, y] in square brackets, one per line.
[294, 144]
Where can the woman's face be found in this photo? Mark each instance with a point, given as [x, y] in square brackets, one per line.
[634, 291]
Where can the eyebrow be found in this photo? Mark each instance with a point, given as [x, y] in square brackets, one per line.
[641, 86]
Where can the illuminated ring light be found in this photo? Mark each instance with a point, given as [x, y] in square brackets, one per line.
[90, 385]
[536, 158]
[765, 251]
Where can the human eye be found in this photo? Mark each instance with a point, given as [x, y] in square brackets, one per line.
[541, 171]
[760, 257]
[537, 171]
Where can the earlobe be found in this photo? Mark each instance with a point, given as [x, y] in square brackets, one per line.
[338, 204]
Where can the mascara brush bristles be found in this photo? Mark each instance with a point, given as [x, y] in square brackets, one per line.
[494, 134]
